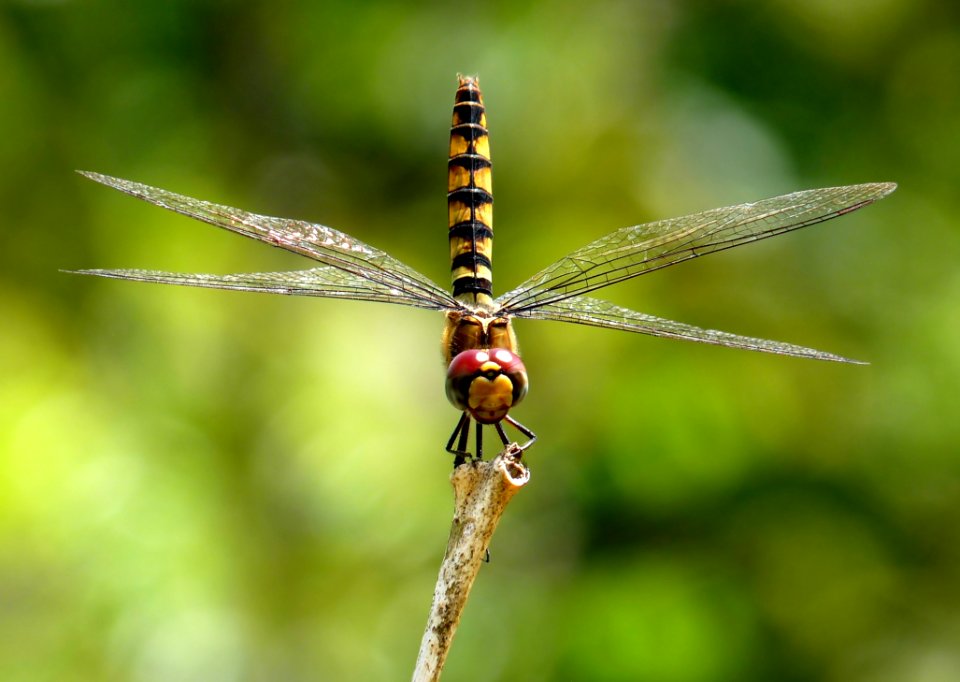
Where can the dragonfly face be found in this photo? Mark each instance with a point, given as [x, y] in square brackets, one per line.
[486, 383]
[486, 378]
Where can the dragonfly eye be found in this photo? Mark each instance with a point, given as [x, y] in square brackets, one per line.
[486, 383]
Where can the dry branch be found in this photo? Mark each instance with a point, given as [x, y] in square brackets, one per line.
[481, 493]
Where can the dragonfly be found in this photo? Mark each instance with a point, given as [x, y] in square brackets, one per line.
[486, 377]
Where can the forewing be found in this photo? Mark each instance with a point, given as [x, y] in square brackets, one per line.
[341, 252]
[324, 281]
[597, 313]
[633, 251]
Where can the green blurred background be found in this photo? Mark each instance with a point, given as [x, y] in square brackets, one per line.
[202, 485]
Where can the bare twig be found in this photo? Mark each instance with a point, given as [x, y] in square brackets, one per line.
[481, 493]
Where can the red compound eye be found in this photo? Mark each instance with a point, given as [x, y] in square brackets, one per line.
[486, 383]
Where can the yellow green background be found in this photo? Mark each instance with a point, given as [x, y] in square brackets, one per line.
[201, 485]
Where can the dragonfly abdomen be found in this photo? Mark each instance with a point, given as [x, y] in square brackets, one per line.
[470, 198]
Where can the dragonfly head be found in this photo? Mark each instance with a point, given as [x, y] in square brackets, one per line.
[486, 383]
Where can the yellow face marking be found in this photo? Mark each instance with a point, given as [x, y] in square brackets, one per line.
[482, 178]
[458, 145]
[457, 177]
[482, 146]
[489, 394]
[491, 398]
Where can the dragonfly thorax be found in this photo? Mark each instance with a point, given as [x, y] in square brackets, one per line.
[476, 330]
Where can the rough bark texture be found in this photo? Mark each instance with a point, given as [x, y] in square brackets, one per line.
[481, 493]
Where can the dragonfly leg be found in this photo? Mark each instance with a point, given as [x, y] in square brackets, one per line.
[532, 437]
[503, 435]
[463, 430]
[464, 434]
[479, 441]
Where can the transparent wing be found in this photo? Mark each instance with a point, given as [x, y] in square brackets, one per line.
[597, 313]
[368, 273]
[633, 251]
[323, 281]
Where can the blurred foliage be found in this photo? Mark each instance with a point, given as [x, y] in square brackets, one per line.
[205, 485]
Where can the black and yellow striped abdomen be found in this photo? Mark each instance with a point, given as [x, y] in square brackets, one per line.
[470, 198]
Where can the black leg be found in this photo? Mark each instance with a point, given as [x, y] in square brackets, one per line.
[463, 428]
[456, 432]
[503, 435]
[524, 430]
[479, 441]
[464, 433]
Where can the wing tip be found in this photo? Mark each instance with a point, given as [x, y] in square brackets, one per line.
[885, 189]
[93, 175]
[846, 361]
[126, 186]
[95, 272]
